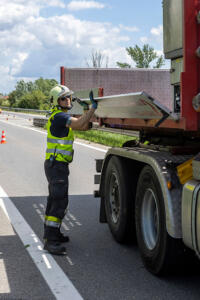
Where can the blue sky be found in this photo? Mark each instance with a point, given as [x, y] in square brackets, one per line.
[37, 37]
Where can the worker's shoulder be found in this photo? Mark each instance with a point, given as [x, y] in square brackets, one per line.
[61, 116]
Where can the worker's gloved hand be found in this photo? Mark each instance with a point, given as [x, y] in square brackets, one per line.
[82, 103]
[94, 102]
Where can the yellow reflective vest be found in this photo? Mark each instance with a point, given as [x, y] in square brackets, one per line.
[59, 147]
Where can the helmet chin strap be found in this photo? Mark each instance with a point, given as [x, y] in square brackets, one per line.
[64, 108]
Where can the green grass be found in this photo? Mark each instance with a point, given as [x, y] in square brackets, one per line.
[104, 138]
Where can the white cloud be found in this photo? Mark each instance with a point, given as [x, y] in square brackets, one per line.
[144, 39]
[80, 5]
[158, 31]
[127, 28]
[56, 3]
[33, 46]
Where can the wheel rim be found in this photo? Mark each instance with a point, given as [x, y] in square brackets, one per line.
[150, 219]
[114, 198]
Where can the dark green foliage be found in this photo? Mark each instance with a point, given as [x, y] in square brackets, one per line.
[123, 65]
[12, 97]
[33, 95]
[32, 100]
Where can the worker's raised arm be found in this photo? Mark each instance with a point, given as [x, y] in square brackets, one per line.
[82, 123]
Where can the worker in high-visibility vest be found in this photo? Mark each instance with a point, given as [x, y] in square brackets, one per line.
[59, 154]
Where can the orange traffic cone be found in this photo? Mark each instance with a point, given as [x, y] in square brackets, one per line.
[3, 138]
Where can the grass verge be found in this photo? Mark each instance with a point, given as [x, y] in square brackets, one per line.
[104, 138]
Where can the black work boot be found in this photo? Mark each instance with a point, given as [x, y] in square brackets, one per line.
[63, 238]
[60, 237]
[54, 247]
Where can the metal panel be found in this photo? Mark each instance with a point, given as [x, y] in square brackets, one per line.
[134, 105]
[173, 28]
[191, 215]
[176, 69]
[187, 198]
[198, 221]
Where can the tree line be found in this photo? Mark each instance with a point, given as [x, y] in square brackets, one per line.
[32, 95]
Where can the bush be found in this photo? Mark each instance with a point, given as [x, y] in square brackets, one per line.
[32, 100]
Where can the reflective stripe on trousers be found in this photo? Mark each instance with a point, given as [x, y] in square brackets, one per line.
[52, 221]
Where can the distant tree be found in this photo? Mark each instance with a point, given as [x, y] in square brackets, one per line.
[123, 65]
[143, 57]
[21, 88]
[45, 85]
[32, 100]
[26, 94]
[12, 98]
[96, 60]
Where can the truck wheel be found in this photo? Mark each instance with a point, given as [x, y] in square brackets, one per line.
[158, 250]
[119, 200]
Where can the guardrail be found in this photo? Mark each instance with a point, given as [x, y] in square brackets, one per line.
[16, 109]
[42, 122]
[38, 122]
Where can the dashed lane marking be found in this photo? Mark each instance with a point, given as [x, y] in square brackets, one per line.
[56, 279]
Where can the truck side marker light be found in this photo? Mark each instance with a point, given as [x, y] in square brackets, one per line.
[169, 185]
[184, 171]
[190, 187]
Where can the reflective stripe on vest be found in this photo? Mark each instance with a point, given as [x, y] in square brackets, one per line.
[59, 141]
[61, 148]
[59, 151]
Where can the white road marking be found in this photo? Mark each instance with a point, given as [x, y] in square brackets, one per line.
[46, 261]
[71, 223]
[71, 216]
[69, 261]
[4, 286]
[78, 223]
[92, 147]
[74, 219]
[65, 226]
[78, 143]
[38, 211]
[56, 279]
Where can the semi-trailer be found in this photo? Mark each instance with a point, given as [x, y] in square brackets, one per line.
[150, 187]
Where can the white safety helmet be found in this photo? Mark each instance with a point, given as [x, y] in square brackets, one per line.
[59, 91]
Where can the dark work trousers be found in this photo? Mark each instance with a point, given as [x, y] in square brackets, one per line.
[57, 175]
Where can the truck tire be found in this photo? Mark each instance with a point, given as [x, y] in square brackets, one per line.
[119, 200]
[158, 250]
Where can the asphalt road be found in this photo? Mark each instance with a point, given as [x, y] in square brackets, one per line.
[98, 267]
